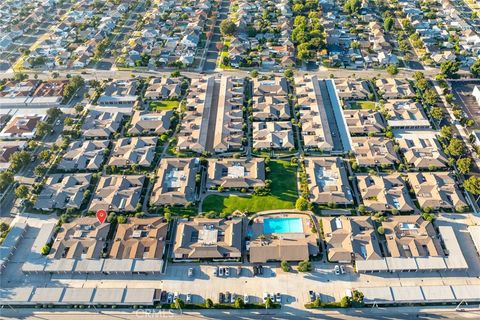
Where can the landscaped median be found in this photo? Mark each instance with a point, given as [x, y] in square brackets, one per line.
[283, 193]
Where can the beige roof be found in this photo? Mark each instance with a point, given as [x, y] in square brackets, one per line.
[394, 88]
[84, 155]
[411, 236]
[21, 125]
[313, 117]
[101, 124]
[350, 237]
[140, 238]
[146, 122]
[208, 239]
[236, 173]
[164, 88]
[384, 192]
[136, 150]
[271, 108]
[83, 238]
[63, 191]
[176, 181]
[364, 121]
[421, 149]
[272, 87]
[117, 193]
[436, 190]
[229, 122]
[404, 113]
[327, 180]
[374, 151]
[275, 135]
[119, 92]
[194, 124]
[282, 246]
[352, 89]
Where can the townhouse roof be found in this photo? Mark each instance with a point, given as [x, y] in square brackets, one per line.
[364, 121]
[405, 113]
[101, 124]
[133, 150]
[117, 193]
[273, 135]
[84, 155]
[374, 151]
[421, 149]
[236, 173]
[144, 121]
[394, 88]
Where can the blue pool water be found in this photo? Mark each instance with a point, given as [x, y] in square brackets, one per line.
[282, 225]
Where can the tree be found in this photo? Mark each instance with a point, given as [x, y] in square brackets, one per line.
[456, 148]
[304, 266]
[430, 97]
[346, 302]
[21, 192]
[475, 69]
[228, 27]
[78, 108]
[53, 113]
[352, 6]
[446, 132]
[44, 155]
[121, 219]
[301, 204]
[388, 23]
[68, 121]
[288, 73]
[464, 165]
[357, 296]
[392, 69]
[167, 214]
[285, 266]
[449, 68]
[45, 249]
[472, 185]
[18, 160]
[239, 304]
[6, 179]
[179, 304]
[40, 170]
[209, 303]
[268, 303]
[381, 230]
[43, 128]
[436, 113]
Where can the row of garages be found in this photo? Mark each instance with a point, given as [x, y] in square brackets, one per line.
[31, 296]
[421, 294]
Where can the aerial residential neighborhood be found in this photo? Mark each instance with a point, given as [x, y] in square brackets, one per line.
[240, 159]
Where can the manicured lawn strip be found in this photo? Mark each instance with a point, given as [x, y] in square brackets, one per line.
[164, 105]
[284, 193]
[362, 105]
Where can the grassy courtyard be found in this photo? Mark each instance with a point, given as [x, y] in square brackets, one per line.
[163, 105]
[283, 195]
[362, 105]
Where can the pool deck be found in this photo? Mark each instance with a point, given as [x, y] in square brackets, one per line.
[258, 226]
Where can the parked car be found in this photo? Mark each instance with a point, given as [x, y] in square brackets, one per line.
[190, 272]
[221, 297]
[189, 298]
[337, 270]
[342, 269]
[215, 271]
[220, 272]
[228, 296]
[312, 295]
[239, 271]
[227, 271]
[163, 296]
[246, 298]
[260, 269]
[255, 270]
[170, 297]
[233, 297]
[278, 298]
[176, 296]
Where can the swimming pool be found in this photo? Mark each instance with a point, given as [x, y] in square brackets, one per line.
[282, 225]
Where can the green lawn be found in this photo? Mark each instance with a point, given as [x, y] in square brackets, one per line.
[164, 105]
[283, 196]
[362, 105]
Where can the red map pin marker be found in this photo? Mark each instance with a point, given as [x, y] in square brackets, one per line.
[101, 215]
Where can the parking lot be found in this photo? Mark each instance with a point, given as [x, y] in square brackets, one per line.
[462, 92]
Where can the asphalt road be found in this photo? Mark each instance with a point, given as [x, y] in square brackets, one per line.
[350, 314]
[212, 53]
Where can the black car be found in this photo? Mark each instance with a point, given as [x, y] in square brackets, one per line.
[221, 297]
[255, 270]
[163, 296]
[260, 269]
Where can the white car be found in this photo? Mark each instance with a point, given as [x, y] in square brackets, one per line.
[189, 298]
[337, 270]
[176, 295]
[190, 272]
[278, 298]
[246, 298]
[233, 297]
[265, 296]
